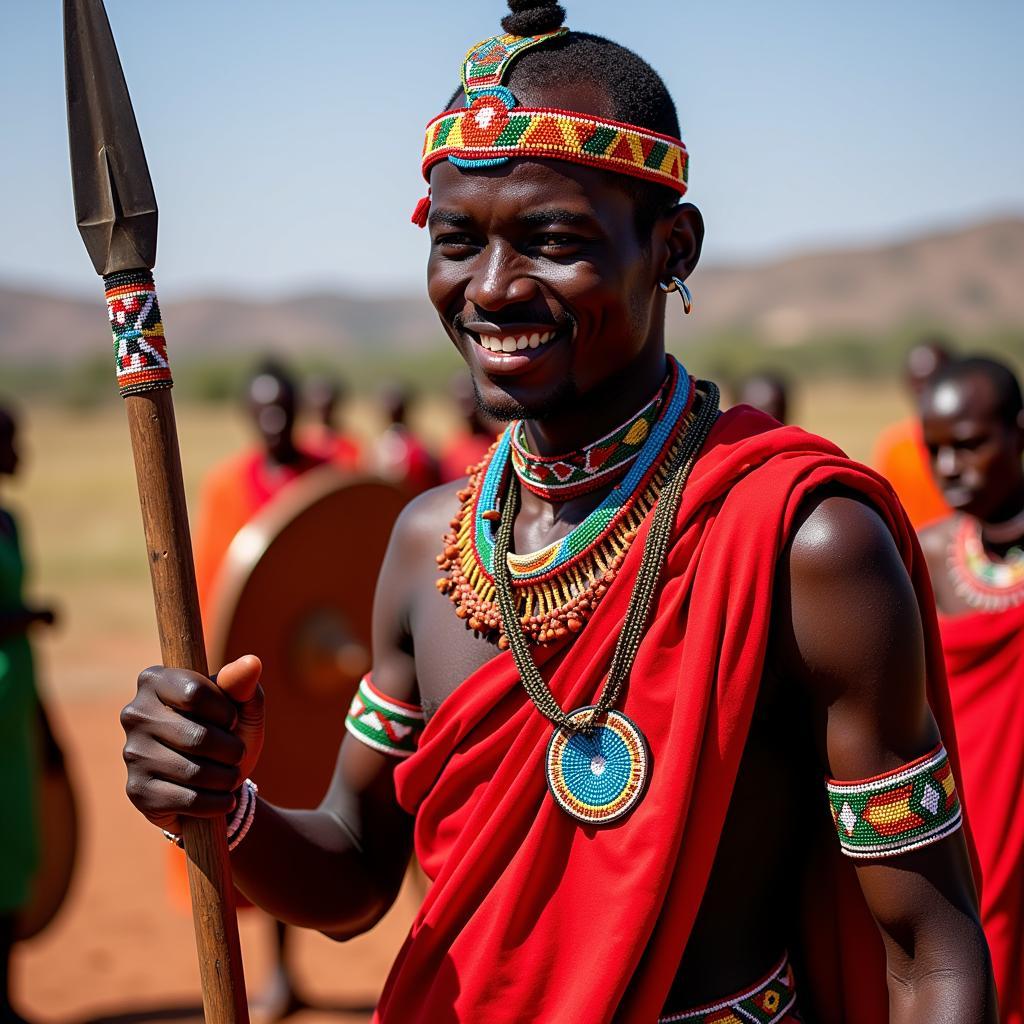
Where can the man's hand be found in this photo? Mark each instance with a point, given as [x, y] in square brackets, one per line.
[191, 741]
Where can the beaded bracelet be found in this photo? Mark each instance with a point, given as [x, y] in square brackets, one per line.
[241, 821]
[902, 810]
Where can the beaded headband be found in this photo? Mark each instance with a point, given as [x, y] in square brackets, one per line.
[492, 128]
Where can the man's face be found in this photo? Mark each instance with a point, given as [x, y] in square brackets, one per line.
[541, 281]
[272, 407]
[975, 454]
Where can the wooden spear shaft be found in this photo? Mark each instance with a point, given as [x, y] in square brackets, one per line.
[165, 521]
[116, 212]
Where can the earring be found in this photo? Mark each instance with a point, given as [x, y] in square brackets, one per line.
[677, 284]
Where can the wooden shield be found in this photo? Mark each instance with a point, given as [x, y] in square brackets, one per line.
[58, 844]
[296, 589]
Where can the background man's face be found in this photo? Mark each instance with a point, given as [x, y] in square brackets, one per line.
[975, 454]
[540, 279]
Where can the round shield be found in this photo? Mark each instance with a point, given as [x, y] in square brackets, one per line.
[296, 589]
[58, 844]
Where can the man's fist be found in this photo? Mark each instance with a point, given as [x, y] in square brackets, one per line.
[191, 741]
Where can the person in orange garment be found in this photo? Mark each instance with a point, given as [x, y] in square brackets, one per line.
[469, 446]
[231, 495]
[899, 454]
[234, 491]
[973, 425]
[324, 397]
[399, 455]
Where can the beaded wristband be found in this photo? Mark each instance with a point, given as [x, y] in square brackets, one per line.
[383, 723]
[240, 823]
[140, 351]
[903, 810]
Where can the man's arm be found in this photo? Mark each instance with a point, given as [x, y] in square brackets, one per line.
[190, 743]
[849, 630]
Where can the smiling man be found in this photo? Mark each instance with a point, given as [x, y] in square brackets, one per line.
[973, 423]
[606, 725]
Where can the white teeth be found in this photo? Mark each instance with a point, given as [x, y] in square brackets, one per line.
[508, 345]
[534, 340]
[546, 337]
[522, 342]
[495, 345]
[515, 344]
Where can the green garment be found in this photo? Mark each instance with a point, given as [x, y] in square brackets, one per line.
[19, 757]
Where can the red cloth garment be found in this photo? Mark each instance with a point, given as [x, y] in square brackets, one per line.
[535, 917]
[985, 661]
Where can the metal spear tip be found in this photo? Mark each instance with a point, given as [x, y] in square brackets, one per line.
[115, 205]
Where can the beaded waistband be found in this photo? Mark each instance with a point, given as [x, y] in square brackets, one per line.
[767, 1002]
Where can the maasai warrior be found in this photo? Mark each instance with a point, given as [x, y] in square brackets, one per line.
[900, 455]
[23, 727]
[974, 428]
[766, 391]
[236, 490]
[657, 630]
[324, 396]
[468, 447]
[399, 455]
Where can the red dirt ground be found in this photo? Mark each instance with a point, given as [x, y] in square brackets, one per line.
[118, 953]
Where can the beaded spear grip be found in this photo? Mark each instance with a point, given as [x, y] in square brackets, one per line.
[140, 350]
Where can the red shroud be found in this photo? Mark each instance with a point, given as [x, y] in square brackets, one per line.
[985, 662]
[533, 916]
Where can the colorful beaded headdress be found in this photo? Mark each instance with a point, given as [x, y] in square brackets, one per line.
[492, 128]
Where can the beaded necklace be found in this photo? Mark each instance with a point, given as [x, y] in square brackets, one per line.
[563, 477]
[597, 763]
[558, 587]
[983, 583]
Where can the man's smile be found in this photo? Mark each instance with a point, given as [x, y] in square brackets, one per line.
[511, 348]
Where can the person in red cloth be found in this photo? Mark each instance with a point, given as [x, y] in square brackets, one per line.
[231, 495]
[399, 455]
[324, 396]
[973, 425]
[471, 444]
[900, 455]
[640, 682]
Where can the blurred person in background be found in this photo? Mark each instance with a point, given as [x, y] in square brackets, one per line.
[973, 426]
[768, 391]
[231, 495]
[26, 739]
[467, 447]
[325, 397]
[234, 491]
[900, 455]
[399, 455]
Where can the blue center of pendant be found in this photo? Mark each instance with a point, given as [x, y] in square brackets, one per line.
[596, 768]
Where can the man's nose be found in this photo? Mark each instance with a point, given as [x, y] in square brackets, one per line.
[499, 280]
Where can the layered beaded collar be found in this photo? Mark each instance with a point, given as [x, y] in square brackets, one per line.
[563, 477]
[983, 583]
[558, 587]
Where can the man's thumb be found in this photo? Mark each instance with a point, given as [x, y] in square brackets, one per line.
[239, 678]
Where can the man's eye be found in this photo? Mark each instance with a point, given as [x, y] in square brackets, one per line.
[554, 240]
[456, 241]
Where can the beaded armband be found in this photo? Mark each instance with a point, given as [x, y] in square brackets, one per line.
[914, 806]
[388, 725]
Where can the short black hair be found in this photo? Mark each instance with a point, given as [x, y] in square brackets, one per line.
[1003, 381]
[637, 94]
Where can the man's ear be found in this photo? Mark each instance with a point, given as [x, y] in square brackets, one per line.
[683, 241]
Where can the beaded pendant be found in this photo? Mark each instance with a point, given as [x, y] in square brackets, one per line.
[598, 777]
[983, 583]
[558, 587]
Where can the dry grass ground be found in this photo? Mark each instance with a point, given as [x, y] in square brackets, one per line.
[118, 949]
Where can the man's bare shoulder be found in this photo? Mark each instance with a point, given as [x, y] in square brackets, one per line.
[424, 521]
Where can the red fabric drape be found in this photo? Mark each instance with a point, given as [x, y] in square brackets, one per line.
[985, 661]
[535, 917]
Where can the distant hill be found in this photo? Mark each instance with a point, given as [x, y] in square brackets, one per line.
[971, 280]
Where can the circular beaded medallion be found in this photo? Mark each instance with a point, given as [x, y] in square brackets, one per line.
[599, 778]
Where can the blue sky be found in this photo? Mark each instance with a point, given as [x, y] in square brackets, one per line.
[283, 135]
